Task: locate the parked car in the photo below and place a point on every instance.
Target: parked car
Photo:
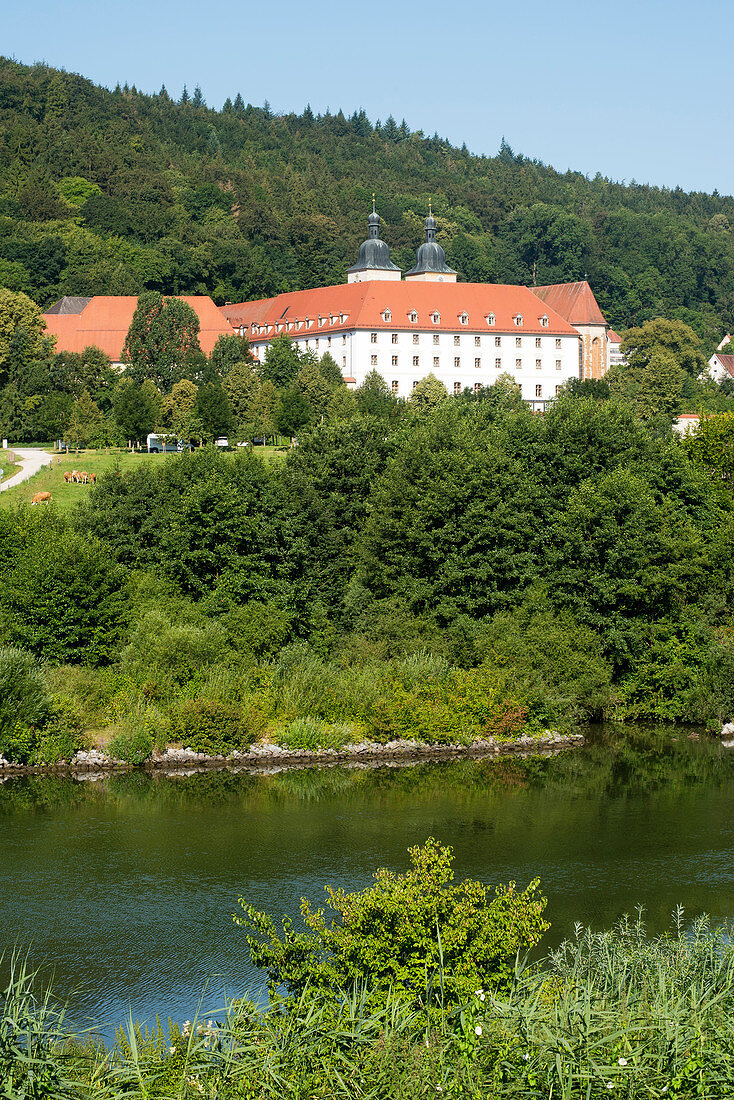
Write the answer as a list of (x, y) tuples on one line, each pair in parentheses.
[(165, 444)]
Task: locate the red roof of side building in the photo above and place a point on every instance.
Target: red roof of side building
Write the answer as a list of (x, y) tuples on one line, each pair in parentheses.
[(727, 362), (105, 320), (614, 337), (574, 301), (363, 306)]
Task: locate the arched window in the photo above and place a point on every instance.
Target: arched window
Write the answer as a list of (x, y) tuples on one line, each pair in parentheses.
[(518, 319), (436, 317), (491, 320), (413, 316), (464, 318)]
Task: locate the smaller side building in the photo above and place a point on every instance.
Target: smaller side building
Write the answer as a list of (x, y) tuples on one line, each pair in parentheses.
[(575, 302), (103, 321)]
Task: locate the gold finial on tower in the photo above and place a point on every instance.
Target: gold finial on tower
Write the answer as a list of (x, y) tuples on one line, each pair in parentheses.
[(430, 212), (373, 203)]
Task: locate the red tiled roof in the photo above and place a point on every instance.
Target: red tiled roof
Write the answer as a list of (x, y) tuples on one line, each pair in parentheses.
[(362, 305), (104, 322), (574, 301), (727, 362), (614, 337)]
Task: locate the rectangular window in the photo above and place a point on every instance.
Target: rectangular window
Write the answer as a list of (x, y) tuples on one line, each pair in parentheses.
[(316, 341), (435, 338), (344, 360), (415, 337), (477, 341), (538, 391), (457, 341), (498, 341), (394, 338), (373, 360), (477, 362), (415, 361), (457, 389), (519, 386), (477, 387), (457, 361), (394, 387), (558, 390), (415, 384), (537, 364), (558, 364), (328, 342), (373, 337), (344, 339), (435, 360), (498, 363), (537, 341), (558, 343), (518, 341), (518, 364), (395, 360)]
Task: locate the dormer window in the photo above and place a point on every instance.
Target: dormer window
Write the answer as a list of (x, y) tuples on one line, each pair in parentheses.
[(413, 317), (436, 317), (491, 320), (518, 319), (386, 315), (464, 318), (544, 321)]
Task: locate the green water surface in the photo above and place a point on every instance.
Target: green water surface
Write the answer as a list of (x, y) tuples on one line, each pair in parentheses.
[(125, 887)]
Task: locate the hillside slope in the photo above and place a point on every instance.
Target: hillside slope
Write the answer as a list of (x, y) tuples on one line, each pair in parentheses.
[(116, 192)]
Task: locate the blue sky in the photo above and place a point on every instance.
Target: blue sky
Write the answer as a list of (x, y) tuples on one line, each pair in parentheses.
[(634, 90)]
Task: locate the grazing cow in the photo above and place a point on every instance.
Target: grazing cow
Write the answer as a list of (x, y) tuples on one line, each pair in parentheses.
[(75, 475), (92, 478), (42, 498), (84, 477), (68, 476)]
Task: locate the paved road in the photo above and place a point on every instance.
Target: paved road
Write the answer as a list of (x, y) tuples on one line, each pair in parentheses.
[(30, 460)]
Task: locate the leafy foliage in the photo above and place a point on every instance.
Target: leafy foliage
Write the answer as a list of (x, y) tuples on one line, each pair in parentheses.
[(402, 933)]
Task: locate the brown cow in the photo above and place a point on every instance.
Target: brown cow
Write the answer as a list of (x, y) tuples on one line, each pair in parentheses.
[(84, 477), (68, 476), (42, 498), (92, 478)]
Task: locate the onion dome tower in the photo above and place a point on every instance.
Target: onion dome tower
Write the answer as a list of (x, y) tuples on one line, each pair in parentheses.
[(374, 260), (431, 266)]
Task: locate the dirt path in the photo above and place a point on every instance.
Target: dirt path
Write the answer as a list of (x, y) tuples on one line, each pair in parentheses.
[(30, 460)]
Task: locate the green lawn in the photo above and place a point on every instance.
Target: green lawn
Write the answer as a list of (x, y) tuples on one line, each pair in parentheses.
[(65, 496), (7, 466)]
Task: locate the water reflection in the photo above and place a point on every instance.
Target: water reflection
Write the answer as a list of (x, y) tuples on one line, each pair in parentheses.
[(126, 887)]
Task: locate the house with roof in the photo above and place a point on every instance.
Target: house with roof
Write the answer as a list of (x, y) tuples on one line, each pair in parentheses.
[(721, 366), (103, 321), (466, 334)]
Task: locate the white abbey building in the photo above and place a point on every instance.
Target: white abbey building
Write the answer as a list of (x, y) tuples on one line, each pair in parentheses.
[(466, 334)]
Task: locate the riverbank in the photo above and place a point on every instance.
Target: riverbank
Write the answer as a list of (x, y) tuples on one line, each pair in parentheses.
[(175, 758)]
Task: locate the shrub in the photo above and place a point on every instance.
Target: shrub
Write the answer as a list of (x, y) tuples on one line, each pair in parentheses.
[(210, 726), (413, 932), (19, 743), (312, 733), (133, 746), (24, 697)]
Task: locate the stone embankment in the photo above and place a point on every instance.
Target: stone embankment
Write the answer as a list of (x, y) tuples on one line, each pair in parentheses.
[(265, 753)]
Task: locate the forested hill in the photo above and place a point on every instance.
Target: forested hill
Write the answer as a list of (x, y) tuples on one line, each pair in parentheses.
[(114, 192)]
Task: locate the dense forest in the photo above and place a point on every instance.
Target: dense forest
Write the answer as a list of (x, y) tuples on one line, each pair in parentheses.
[(117, 192)]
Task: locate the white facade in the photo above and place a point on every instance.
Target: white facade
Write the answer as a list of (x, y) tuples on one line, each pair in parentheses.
[(540, 364)]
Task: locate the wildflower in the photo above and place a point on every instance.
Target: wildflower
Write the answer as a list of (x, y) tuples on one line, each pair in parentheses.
[(610, 1084), (526, 1057), (172, 1050), (621, 1061), (477, 1030)]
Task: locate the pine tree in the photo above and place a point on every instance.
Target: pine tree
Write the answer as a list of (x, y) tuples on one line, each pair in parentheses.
[(184, 96), (198, 100)]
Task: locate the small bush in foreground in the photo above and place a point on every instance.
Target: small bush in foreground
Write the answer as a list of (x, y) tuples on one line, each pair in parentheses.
[(214, 727), (409, 932), (24, 696)]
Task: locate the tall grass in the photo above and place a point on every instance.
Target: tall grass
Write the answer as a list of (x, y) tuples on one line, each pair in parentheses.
[(613, 1013)]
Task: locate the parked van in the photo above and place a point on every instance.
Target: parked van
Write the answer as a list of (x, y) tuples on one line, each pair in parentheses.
[(164, 444)]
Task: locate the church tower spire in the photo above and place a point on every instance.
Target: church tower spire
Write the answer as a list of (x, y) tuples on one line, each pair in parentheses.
[(431, 266), (374, 260)]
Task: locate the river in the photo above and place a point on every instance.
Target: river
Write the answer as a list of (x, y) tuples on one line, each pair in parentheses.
[(125, 888)]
